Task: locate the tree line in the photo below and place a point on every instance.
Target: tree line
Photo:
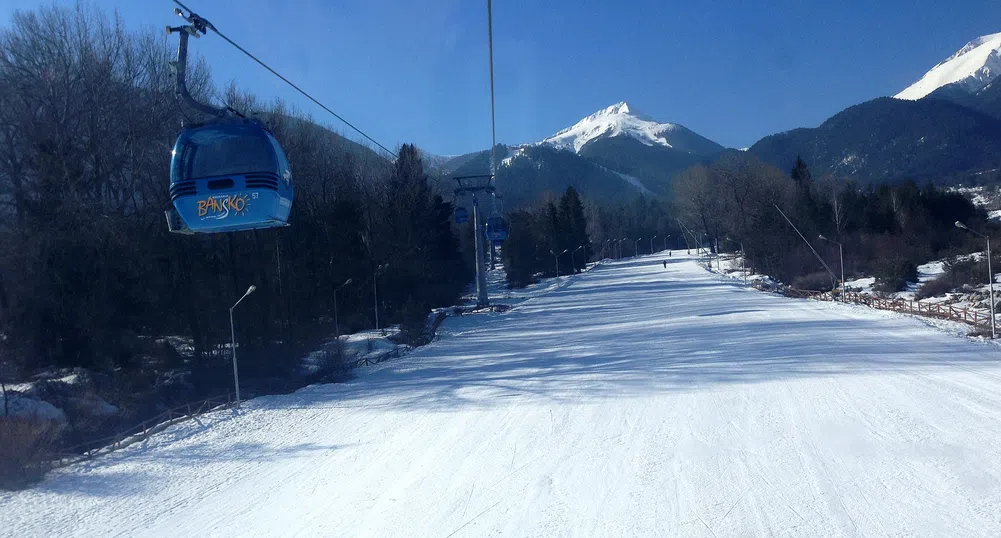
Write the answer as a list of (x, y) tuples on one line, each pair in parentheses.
[(885, 230), (90, 276), (549, 237)]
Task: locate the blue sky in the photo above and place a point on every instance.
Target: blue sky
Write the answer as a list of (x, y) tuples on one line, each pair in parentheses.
[(416, 71)]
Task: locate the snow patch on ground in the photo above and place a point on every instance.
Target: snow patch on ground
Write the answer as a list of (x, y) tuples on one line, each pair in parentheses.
[(21, 406)]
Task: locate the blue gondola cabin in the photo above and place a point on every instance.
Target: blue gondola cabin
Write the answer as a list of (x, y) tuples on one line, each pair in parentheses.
[(227, 177)]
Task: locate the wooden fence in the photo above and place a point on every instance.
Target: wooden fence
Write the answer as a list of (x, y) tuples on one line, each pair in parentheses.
[(977, 318), (141, 431)]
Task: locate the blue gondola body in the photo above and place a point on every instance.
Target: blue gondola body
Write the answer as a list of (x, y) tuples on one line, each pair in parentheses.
[(496, 229), (230, 176)]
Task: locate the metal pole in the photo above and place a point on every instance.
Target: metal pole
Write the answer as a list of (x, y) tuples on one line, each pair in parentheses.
[(573, 266), (337, 328), (743, 262), (841, 254), (232, 342), (232, 335), (180, 68), (375, 294), (481, 276), (990, 271), (991, 286)]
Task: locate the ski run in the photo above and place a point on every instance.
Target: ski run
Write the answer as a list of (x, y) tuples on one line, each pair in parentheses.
[(633, 400)]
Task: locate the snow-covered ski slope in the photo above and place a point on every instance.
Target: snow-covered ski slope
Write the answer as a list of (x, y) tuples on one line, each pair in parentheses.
[(637, 401)]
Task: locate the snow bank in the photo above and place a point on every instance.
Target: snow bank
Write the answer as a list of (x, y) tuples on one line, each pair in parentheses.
[(22, 406)]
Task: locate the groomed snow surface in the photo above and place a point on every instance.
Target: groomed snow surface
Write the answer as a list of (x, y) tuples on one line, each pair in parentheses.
[(635, 400)]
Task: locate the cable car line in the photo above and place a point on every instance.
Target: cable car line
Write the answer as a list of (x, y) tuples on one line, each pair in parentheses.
[(493, 132), (297, 88)]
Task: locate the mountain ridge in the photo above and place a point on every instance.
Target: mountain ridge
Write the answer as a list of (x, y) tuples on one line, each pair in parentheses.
[(974, 66)]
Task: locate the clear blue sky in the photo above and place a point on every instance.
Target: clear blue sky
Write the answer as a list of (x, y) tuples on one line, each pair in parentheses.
[(416, 71)]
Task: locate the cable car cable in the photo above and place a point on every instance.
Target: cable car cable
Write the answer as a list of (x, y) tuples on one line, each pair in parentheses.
[(300, 90), (493, 132)]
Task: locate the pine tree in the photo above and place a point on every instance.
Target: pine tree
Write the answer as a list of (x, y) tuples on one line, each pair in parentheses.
[(574, 227), (520, 253), (801, 172)]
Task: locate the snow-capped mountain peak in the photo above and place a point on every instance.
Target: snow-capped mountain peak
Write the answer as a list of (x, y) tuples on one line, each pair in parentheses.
[(973, 67), (620, 119)]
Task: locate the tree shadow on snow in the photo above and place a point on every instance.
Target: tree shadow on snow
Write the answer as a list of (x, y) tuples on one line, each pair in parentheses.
[(617, 337)]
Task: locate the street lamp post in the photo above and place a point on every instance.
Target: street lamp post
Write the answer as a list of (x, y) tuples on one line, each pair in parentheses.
[(636, 247), (337, 327), (990, 272), (743, 258), (375, 290), (607, 244), (573, 266), (744, 269), (232, 335), (665, 240), (651, 243), (841, 256), (702, 251), (557, 256)]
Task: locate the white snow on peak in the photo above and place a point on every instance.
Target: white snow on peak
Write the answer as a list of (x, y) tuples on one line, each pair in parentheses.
[(974, 66), (620, 119)]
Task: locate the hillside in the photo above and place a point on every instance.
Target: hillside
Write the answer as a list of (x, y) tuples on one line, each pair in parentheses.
[(886, 140), (534, 170), (654, 166), (986, 100)]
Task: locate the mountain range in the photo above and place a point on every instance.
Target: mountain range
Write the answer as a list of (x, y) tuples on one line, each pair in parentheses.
[(944, 128)]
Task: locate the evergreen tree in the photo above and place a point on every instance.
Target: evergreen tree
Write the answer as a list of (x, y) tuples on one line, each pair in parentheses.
[(800, 172), (520, 254), (574, 228)]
